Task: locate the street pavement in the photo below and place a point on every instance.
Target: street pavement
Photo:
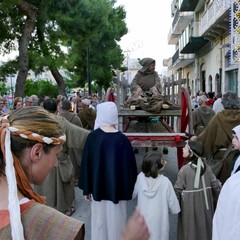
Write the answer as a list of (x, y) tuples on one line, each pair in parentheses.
[(83, 209)]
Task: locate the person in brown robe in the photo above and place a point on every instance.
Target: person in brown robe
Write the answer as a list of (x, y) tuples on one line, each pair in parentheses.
[(58, 187), (146, 82), (74, 154), (201, 116), (197, 190), (87, 115), (146, 89), (70, 116), (217, 136)]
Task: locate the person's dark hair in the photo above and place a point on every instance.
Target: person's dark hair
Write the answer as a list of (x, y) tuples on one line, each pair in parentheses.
[(152, 164), (230, 100), (40, 100), (66, 105), (50, 105), (210, 94), (16, 100)]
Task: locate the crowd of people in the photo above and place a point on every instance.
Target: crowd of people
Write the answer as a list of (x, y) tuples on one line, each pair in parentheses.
[(49, 146), (41, 151)]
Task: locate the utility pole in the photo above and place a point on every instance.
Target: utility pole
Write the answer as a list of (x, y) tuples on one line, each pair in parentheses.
[(88, 73)]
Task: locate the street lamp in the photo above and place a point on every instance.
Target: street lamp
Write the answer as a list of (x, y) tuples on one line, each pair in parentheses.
[(11, 86)]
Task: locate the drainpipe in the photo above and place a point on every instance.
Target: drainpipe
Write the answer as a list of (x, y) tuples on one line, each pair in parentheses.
[(197, 75)]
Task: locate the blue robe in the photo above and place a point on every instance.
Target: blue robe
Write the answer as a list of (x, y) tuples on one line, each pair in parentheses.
[(108, 167)]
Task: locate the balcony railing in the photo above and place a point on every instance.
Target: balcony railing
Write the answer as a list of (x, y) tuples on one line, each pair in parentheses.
[(175, 57), (175, 19), (181, 21), (182, 57), (216, 9)]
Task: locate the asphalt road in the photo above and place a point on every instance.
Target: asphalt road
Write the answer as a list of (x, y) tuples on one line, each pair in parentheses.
[(83, 210)]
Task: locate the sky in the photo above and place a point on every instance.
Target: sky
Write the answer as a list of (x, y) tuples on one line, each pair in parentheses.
[(148, 25)]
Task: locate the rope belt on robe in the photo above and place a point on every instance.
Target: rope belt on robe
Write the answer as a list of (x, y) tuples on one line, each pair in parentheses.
[(199, 166)]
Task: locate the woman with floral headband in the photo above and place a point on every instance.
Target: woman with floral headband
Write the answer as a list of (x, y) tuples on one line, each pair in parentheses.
[(30, 142), (197, 190)]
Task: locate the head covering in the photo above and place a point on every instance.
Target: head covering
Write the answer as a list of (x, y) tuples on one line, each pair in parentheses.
[(237, 131), (195, 147), (86, 101), (145, 63), (107, 114)]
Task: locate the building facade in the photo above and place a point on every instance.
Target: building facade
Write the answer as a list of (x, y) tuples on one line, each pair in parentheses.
[(203, 60)]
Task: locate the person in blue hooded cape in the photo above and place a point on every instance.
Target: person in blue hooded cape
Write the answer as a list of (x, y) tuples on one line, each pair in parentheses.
[(108, 174)]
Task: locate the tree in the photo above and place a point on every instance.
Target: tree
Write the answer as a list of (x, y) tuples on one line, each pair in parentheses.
[(105, 53), (40, 88), (43, 27), (30, 11)]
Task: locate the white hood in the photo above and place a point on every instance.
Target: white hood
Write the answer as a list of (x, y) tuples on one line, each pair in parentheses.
[(150, 185), (237, 131), (107, 114)]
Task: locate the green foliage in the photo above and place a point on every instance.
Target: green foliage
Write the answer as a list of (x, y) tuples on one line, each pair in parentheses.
[(8, 68), (40, 88), (4, 90), (72, 25)]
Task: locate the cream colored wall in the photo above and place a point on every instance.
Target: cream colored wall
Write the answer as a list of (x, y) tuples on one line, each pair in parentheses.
[(188, 69)]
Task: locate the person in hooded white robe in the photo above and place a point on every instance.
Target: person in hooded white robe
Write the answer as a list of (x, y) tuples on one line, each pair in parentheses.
[(108, 174), (226, 220), (156, 196), (236, 145)]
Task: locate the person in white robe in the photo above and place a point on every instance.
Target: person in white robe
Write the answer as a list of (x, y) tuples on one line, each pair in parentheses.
[(156, 196), (226, 220), (236, 145)]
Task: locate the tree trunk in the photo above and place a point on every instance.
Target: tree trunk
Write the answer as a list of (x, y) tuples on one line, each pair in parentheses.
[(60, 82), (30, 11)]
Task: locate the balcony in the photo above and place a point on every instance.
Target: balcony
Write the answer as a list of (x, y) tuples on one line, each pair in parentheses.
[(194, 44), (180, 21), (189, 44), (181, 60), (173, 38), (188, 5), (215, 21)]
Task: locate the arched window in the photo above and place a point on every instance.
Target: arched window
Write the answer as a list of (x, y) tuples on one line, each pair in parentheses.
[(210, 83), (217, 84)]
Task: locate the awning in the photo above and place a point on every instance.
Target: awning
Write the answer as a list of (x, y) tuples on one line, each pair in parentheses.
[(194, 45), (188, 5)]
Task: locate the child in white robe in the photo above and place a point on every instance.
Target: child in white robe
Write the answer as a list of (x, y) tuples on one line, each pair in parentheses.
[(236, 145), (156, 196)]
